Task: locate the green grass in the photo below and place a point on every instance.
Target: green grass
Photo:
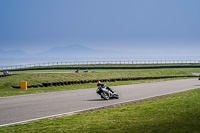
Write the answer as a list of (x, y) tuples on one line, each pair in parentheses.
[(13, 92), (176, 113), (34, 78), (37, 71)]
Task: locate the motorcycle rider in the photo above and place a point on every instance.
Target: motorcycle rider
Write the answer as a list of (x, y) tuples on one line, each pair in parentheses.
[(103, 86)]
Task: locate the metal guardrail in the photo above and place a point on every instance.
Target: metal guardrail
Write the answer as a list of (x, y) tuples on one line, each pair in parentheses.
[(99, 62), (3, 75)]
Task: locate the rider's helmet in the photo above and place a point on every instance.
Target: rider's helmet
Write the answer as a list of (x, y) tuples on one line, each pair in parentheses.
[(98, 83), (103, 85)]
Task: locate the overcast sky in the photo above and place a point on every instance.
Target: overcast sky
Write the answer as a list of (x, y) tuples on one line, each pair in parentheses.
[(154, 25)]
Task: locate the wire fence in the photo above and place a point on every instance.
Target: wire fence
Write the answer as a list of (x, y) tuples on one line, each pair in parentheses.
[(99, 62)]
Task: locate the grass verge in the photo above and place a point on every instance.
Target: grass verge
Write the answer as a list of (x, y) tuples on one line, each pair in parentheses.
[(39, 78), (13, 92), (176, 113)]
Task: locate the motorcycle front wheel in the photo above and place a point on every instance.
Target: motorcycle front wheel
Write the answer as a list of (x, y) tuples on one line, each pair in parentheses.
[(116, 96), (105, 96)]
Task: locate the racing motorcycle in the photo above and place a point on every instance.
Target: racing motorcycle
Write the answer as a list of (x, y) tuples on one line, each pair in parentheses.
[(106, 93)]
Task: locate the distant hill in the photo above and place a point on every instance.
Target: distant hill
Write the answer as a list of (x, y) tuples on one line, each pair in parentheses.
[(12, 53), (75, 50)]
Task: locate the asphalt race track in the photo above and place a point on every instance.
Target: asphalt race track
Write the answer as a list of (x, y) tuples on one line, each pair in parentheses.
[(20, 109)]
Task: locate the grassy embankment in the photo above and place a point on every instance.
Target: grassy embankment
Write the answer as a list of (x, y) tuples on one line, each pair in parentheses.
[(35, 78), (177, 113)]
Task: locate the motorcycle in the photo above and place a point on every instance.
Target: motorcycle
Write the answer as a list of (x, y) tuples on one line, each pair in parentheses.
[(106, 94)]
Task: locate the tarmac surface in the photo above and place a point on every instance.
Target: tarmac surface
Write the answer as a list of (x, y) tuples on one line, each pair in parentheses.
[(25, 108)]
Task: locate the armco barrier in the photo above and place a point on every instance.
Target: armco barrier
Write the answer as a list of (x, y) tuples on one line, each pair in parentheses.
[(69, 63), (102, 80), (2, 75), (92, 68)]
